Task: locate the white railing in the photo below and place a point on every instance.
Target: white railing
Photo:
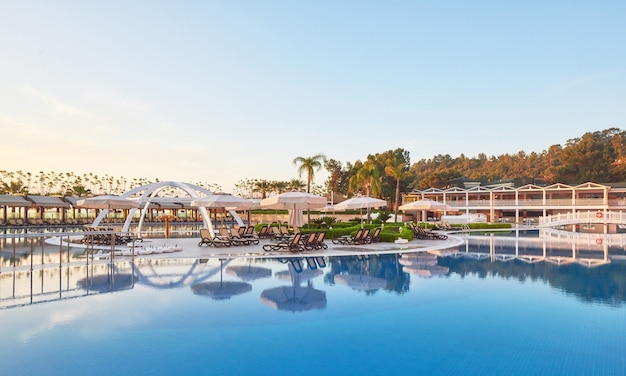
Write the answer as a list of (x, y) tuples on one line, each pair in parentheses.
[(589, 216), (496, 203)]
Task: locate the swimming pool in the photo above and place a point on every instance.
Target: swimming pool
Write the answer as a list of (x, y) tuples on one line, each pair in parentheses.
[(467, 312)]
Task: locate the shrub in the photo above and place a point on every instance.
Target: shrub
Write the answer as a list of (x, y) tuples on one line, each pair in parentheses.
[(329, 221)]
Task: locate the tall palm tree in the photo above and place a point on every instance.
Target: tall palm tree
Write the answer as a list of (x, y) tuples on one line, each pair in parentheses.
[(398, 171), (366, 178), (309, 166), (262, 187), (296, 185)]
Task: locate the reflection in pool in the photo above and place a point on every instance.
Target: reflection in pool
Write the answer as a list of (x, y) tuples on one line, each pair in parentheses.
[(500, 304)]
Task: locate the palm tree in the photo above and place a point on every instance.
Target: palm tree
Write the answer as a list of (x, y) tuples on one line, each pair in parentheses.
[(262, 187), (366, 178), (296, 185), (398, 171), (309, 166)]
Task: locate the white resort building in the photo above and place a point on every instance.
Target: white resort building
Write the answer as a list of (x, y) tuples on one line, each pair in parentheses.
[(550, 206)]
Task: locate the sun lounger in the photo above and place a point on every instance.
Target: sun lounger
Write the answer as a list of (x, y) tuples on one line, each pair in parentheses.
[(361, 237), (233, 238), (208, 239), (375, 237), (309, 243), (250, 235), (264, 232), (319, 241), (292, 244), (348, 238)]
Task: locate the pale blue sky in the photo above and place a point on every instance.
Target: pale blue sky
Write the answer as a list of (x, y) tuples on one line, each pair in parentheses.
[(219, 91)]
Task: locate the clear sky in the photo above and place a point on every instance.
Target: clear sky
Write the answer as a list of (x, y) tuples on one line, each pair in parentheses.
[(220, 91)]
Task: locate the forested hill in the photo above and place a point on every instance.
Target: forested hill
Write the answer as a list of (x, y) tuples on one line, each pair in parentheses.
[(597, 157)]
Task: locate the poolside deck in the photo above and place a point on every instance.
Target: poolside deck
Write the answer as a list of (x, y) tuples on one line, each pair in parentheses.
[(189, 248)]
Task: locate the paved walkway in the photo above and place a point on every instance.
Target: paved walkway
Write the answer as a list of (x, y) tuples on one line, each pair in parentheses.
[(190, 249)]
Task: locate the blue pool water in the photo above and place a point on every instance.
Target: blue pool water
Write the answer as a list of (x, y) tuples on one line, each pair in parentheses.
[(391, 314)]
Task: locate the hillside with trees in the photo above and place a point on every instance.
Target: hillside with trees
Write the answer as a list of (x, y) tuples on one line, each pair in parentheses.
[(595, 156)]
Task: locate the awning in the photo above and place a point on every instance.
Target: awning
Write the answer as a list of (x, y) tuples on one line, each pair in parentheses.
[(48, 201), (15, 201)]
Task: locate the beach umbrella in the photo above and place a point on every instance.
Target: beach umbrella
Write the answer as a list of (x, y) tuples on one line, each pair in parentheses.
[(107, 202), (361, 202), (427, 205), (293, 201), (294, 298), (296, 219), (223, 201)]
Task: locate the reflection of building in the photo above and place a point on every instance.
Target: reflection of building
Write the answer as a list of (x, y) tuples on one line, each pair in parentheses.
[(20, 286), (557, 247), (528, 203)]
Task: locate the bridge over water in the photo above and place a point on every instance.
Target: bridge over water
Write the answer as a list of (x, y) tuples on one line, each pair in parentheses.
[(583, 217)]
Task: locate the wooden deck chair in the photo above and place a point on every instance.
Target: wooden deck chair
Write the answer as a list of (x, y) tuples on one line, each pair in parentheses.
[(309, 243), (319, 240), (348, 239), (232, 237), (363, 239), (375, 237), (292, 244), (208, 239), (263, 232)]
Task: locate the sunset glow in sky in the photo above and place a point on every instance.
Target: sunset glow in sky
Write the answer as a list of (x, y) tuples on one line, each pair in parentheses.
[(220, 91)]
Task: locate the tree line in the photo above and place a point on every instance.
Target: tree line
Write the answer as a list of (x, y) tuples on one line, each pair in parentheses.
[(595, 156)]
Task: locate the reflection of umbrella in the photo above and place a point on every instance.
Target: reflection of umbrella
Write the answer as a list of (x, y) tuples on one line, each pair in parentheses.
[(304, 275), (294, 200), (361, 282), (294, 298), (221, 290), (422, 258), (426, 271), (363, 202), (222, 201), (107, 202), (106, 283), (249, 273)]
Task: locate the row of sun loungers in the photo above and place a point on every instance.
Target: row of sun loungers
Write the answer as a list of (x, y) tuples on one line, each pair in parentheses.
[(95, 236), (298, 243), (421, 233), (226, 238), (362, 236)]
